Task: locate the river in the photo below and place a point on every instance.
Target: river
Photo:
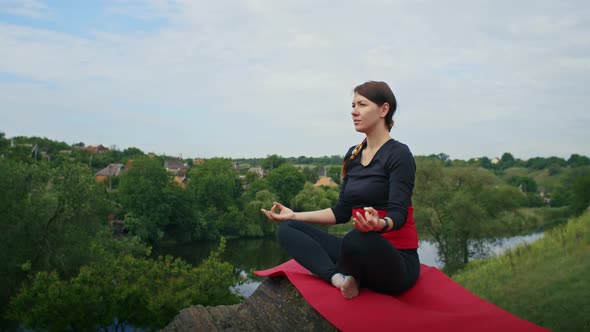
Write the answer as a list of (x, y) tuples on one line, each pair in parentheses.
[(248, 255)]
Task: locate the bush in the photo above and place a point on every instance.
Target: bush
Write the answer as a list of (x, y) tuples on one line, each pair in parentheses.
[(139, 291)]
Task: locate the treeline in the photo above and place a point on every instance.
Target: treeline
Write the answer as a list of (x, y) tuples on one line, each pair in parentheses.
[(301, 160), (57, 234), (59, 151), (507, 160)]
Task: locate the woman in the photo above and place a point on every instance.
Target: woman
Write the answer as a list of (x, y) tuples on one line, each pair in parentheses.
[(378, 179)]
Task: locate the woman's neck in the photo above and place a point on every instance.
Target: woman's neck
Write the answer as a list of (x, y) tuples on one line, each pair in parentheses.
[(377, 138)]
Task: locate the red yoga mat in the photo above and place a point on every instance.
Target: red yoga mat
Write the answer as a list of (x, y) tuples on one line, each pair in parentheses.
[(435, 303)]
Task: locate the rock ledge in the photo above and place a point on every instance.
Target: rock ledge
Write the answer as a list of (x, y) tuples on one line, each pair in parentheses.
[(276, 305)]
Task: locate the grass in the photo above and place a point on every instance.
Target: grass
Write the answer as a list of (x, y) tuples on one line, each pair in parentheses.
[(544, 178), (546, 282), (534, 219)]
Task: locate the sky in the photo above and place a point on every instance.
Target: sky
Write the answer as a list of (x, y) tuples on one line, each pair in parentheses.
[(251, 78)]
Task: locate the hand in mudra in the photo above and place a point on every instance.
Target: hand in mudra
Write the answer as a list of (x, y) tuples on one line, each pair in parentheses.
[(367, 222), (283, 212)]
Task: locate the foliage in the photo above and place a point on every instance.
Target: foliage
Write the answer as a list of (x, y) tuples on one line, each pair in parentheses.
[(445, 158), (545, 282), (301, 160), (457, 207), (43, 144), (581, 194), (255, 223), (566, 194), (273, 161), (575, 160), (143, 191), (55, 212), (311, 174), (4, 144), (286, 181), (312, 198), (253, 188), (214, 192), (525, 183), (215, 184), (334, 173), (142, 292)]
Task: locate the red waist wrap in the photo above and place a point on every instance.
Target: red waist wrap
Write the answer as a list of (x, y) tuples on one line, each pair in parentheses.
[(403, 238)]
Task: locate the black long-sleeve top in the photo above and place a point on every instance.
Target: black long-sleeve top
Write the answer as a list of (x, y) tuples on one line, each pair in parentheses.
[(386, 183)]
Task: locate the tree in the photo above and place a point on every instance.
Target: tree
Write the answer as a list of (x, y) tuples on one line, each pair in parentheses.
[(55, 212), (143, 194), (507, 160), (215, 189), (457, 207), (273, 161), (311, 198), (286, 181), (133, 152), (139, 291), (215, 184), (257, 184), (581, 194), (334, 173), (445, 158), (486, 163), (311, 174), (565, 195), (524, 183), (576, 160), (255, 223), (4, 144)]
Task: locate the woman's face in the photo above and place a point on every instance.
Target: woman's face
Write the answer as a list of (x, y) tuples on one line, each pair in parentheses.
[(366, 115)]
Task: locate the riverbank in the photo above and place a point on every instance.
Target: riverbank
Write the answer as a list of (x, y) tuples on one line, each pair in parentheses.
[(427, 251), (545, 282)]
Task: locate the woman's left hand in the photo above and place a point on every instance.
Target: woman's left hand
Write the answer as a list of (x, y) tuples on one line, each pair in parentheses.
[(367, 222)]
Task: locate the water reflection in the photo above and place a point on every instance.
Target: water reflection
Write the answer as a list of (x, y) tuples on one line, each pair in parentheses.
[(428, 251), (249, 255)]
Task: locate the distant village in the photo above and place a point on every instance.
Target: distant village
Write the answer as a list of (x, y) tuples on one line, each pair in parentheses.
[(179, 169)]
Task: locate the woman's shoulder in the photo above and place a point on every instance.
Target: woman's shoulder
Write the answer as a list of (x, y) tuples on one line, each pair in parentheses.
[(396, 152), (397, 147)]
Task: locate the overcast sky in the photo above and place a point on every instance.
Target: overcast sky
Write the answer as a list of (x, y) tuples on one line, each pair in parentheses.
[(251, 78)]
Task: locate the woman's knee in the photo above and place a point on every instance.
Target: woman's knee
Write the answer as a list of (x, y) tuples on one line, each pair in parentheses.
[(356, 241), (285, 228)]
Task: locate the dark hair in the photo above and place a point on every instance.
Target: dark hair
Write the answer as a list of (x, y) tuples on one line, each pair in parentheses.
[(379, 93)]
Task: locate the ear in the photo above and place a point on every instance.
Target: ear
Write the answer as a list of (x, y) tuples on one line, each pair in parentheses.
[(384, 110)]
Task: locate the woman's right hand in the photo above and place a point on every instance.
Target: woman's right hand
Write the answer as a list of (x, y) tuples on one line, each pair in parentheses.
[(283, 214)]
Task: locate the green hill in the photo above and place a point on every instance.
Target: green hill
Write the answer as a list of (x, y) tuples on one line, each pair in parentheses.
[(546, 282)]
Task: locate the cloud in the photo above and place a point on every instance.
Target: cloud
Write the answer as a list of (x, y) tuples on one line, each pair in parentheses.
[(25, 8), (281, 73)]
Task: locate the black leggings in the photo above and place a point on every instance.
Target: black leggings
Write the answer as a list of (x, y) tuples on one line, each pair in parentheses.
[(369, 257)]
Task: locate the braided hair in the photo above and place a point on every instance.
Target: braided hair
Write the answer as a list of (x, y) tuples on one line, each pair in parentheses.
[(353, 155)]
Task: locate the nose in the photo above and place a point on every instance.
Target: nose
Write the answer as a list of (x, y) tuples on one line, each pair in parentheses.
[(354, 111)]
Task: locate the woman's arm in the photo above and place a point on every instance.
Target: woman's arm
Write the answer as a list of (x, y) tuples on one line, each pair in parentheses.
[(321, 217), (402, 173)]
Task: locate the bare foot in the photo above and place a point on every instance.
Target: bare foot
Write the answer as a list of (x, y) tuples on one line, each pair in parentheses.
[(350, 288), (338, 280)]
